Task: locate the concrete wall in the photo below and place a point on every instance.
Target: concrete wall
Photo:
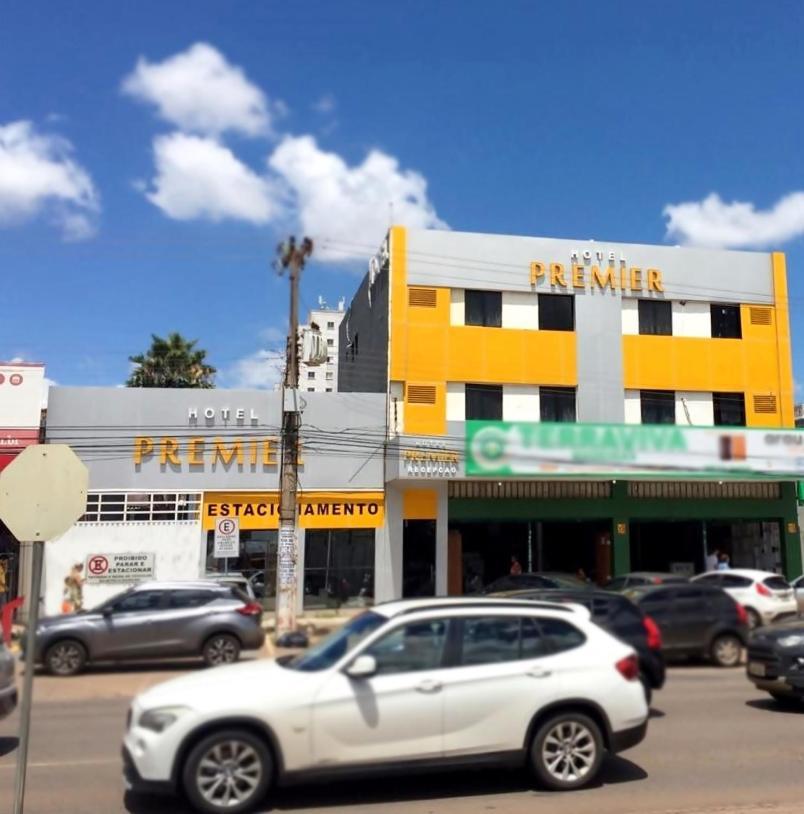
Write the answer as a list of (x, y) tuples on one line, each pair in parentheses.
[(366, 319), (178, 548)]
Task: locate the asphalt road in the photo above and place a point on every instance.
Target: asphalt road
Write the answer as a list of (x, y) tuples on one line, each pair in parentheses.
[(715, 745)]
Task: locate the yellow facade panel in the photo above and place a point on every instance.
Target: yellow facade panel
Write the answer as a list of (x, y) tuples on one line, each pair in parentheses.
[(419, 504)]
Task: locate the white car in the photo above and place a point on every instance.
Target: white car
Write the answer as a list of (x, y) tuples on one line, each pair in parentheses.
[(766, 597), (407, 683)]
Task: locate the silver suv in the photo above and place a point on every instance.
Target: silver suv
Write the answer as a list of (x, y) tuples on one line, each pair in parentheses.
[(154, 620)]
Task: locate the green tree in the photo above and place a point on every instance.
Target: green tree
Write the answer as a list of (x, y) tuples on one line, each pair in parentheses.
[(171, 362)]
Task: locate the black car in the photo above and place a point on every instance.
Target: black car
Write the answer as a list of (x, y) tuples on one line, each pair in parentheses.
[(623, 619), (536, 579), (637, 579), (696, 621), (776, 660)]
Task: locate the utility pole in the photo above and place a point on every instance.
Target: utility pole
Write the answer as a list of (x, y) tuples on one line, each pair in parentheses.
[(290, 258)]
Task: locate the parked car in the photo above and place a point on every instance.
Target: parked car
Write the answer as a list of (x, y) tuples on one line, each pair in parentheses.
[(696, 620), (464, 680), (766, 597), (236, 580), (776, 660), (8, 682), (154, 620), (622, 618), (638, 578), (798, 588), (537, 579)]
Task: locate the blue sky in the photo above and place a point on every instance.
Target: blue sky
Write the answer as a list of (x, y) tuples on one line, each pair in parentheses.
[(151, 154)]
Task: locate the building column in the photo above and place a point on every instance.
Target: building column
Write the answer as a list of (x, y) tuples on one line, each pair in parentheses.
[(442, 539), (388, 549), (621, 530), (791, 532)]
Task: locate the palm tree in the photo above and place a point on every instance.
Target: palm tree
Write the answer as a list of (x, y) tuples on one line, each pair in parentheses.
[(171, 362)]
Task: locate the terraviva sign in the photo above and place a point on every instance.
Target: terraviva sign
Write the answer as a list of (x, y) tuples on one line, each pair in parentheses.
[(495, 448)]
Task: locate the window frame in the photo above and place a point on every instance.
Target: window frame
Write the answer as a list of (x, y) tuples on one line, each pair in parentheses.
[(734, 310), (656, 323), (554, 299), (718, 400), (668, 397), (483, 305), (479, 389), (558, 393)]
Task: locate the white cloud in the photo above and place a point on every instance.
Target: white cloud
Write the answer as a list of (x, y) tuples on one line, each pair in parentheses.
[(39, 175), (199, 91), (326, 104), (263, 369), (348, 209), (713, 223), (199, 178), (274, 335)]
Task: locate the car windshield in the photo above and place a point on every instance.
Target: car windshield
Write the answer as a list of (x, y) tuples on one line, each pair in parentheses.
[(110, 603), (338, 644), (777, 583)]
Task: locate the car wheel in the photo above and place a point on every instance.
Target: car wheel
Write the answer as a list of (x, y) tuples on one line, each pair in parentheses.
[(567, 751), (754, 619), (228, 771), (65, 658), (727, 650), (221, 648)]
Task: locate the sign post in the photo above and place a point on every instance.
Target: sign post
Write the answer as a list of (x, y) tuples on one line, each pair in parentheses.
[(227, 540), (42, 493)]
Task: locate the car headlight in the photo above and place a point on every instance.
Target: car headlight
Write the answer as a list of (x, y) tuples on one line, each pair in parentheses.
[(159, 719), (794, 640)]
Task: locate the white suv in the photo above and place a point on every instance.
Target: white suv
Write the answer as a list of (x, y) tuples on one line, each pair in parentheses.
[(408, 683), (766, 597)]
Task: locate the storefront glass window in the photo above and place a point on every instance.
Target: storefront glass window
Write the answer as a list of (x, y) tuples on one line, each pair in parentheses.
[(250, 562), (338, 568)]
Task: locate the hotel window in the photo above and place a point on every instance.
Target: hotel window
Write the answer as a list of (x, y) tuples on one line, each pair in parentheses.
[(655, 317), (330, 326), (729, 409), (484, 402), (483, 308), (557, 404), (338, 568), (726, 322), (556, 312), (658, 406)]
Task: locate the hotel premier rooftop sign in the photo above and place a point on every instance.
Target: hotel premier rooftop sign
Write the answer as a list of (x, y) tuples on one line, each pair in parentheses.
[(596, 269)]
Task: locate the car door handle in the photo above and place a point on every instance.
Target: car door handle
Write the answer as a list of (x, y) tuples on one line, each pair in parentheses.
[(539, 672), (429, 686)]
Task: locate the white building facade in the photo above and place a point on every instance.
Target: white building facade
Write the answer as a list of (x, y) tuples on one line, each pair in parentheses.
[(323, 378)]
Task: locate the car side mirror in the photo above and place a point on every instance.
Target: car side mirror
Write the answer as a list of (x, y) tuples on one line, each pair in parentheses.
[(362, 667)]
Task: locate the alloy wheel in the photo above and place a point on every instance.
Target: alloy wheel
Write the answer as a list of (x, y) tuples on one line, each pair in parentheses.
[(727, 651), (65, 659), (569, 751), (229, 774), (221, 650)]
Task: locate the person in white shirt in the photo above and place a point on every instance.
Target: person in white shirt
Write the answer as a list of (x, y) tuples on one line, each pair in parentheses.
[(713, 560)]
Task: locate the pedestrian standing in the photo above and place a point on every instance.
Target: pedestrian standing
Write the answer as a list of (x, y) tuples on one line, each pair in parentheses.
[(724, 564), (713, 560), (75, 585), (516, 568)]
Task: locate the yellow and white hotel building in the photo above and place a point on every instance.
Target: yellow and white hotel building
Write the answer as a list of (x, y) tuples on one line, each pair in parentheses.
[(455, 326)]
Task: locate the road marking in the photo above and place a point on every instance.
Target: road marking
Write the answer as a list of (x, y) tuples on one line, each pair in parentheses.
[(55, 764)]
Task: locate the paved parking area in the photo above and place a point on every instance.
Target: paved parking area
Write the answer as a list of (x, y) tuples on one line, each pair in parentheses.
[(715, 746)]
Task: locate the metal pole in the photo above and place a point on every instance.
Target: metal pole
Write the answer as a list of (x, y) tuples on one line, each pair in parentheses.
[(27, 691), (292, 259)]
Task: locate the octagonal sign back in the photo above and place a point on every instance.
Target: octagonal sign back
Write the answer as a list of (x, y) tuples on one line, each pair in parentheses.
[(43, 491)]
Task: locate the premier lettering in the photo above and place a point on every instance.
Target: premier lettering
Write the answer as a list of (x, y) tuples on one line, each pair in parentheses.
[(581, 275), (253, 454)]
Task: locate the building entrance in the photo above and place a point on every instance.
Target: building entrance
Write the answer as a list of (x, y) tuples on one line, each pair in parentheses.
[(487, 548)]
